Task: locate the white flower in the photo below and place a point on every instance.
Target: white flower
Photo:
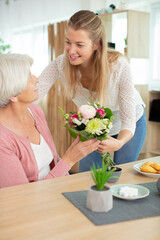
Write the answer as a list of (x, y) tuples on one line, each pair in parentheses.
[(105, 121), (84, 121), (95, 105), (76, 121), (110, 125)]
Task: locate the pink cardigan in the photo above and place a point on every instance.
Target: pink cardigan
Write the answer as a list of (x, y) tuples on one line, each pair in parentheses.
[(17, 161)]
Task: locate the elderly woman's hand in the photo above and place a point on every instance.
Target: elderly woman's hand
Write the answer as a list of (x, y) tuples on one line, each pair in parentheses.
[(79, 150)]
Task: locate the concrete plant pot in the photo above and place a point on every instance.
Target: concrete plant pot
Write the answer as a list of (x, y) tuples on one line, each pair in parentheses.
[(99, 201)]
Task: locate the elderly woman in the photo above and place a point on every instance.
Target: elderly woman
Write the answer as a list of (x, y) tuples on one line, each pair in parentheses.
[(27, 151)]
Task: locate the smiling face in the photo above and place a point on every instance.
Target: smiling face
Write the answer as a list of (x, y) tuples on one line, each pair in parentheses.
[(79, 47), (30, 94)]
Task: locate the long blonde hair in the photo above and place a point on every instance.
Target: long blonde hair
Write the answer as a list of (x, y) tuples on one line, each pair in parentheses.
[(101, 67)]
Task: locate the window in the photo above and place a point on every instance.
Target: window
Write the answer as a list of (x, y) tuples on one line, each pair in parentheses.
[(32, 41)]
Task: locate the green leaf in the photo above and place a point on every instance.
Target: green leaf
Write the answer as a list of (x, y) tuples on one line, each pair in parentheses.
[(98, 115), (102, 137), (63, 113), (82, 139), (83, 135), (107, 159), (101, 176), (108, 112), (72, 132)]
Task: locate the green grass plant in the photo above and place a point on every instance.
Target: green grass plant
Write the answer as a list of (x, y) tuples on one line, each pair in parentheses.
[(101, 175)]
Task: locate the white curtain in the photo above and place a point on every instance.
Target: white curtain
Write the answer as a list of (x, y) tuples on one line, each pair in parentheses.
[(154, 83), (32, 41)]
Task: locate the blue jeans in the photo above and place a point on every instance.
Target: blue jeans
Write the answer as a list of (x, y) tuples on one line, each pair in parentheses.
[(128, 153)]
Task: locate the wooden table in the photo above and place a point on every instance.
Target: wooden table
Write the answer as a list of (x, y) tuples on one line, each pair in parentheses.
[(38, 210)]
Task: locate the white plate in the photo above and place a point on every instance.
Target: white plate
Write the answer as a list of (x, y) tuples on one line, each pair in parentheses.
[(142, 191), (137, 168)]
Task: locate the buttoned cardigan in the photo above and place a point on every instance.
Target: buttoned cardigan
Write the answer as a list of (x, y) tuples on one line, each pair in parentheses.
[(17, 161)]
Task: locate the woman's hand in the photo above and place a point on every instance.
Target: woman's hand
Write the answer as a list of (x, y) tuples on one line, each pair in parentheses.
[(113, 144), (109, 145), (79, 150)]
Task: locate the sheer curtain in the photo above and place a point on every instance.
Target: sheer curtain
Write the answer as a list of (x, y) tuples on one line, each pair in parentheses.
[(154, 83), (32, 41), (23, 27)]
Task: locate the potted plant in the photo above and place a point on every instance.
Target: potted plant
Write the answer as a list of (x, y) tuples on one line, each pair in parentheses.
[(99, 196), (111, 165), (4, 48)]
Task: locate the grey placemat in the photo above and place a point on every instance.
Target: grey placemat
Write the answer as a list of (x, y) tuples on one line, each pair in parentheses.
[(122, 210)]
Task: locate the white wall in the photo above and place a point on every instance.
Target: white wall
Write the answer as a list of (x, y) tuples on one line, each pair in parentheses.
[(21, 13), (23, 24)]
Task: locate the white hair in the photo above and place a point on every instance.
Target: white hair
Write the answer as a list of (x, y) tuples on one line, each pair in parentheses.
[(14, 73)]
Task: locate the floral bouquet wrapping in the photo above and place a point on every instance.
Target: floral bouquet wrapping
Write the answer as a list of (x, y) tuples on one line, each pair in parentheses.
[(90, 121)]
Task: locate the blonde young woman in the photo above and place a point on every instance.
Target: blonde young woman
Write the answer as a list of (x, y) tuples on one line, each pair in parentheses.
[(27, 150), (88, 69)]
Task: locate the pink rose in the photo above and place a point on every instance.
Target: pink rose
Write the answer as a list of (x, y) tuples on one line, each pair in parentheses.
[(101, 112), (73, 116), (87, 111)]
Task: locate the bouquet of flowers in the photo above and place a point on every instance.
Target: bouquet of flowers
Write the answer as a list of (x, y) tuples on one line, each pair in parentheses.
[(90, 121)]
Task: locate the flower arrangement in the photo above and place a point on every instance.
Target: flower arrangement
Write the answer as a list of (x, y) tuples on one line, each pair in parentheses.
[(90, 121)]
